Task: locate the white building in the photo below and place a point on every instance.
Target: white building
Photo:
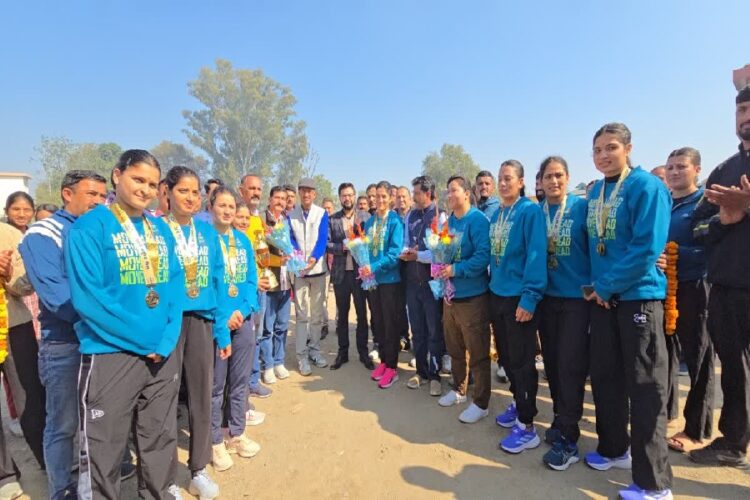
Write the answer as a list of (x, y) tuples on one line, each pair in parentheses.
[(10, 182)]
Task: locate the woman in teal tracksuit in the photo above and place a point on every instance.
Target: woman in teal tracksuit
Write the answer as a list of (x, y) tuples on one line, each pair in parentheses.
[(386, 232), (563, 312), (197, 248), (237, 300), (127, 286), (518, 278), (628, 221)]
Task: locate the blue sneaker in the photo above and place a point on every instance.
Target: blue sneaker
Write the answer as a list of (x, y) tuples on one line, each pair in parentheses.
[(562, 455), (634, 492), (508, 418), (522, 437), (598, 462)]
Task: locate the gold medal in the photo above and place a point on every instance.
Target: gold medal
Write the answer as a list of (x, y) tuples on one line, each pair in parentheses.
[(193, 291), (601, 248), (551, 246), (152, 298), (233, 290), (552, 262)]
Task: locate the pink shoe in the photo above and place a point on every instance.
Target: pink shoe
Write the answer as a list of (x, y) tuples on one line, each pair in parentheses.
[(378, 372), (389, 378)]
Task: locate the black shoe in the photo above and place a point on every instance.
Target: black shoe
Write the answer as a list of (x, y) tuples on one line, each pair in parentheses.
[(715, 454), (127, 470), (324, 332), (340, 360), (368, 363)]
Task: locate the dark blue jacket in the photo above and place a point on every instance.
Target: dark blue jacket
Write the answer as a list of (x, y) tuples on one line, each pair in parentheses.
[(42, 251), (691, 259), (489, 206)]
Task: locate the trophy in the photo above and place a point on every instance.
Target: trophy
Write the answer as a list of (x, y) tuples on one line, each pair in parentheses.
[(263, 257)]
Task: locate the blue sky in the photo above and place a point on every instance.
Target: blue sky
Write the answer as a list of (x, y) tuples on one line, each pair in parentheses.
[(381, 84)]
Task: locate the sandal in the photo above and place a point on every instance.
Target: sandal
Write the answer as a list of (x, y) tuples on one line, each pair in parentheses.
[(683, 443)]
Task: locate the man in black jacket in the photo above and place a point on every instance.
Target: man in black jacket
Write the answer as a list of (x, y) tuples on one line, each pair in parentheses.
[(721, 221), (344, 277)]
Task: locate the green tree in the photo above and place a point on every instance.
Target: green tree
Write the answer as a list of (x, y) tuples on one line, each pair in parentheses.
[(58, 155), (52, 155), (171, 154), (247, 123), (451, 160)]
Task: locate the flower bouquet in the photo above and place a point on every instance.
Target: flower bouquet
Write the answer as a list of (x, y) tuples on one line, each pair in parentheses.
[(444, 246), (278, 236), (358, 245)]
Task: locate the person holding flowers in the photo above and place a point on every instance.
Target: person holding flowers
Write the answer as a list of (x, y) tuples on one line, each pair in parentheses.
[(563, 313), (237, 300), (272, 343), (309, 231), (423, 308), (466, 318), (683, 168), (628, 222), (345, 277), (127, 286), (386, 233), (518, 279)]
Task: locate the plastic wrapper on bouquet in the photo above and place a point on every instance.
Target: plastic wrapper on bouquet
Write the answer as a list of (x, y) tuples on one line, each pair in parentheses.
[(444, 246), (280, 237), (358, 245)]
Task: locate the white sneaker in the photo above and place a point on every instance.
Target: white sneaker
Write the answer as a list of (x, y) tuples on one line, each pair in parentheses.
[(413, 362), (446, 364), (472, 414), (15, 428), (451, 398), (268, 376), (174, 490), (243, 446), (281, 372), (203, 487), (374, 354), (220, 457), (304, 367), (11, 490), (254, 417), (501, 375)]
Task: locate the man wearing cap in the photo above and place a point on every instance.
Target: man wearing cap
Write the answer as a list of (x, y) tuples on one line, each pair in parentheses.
[(722, 223), (309, 225)]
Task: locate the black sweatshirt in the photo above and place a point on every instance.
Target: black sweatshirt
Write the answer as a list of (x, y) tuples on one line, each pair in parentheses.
[(727, 246)]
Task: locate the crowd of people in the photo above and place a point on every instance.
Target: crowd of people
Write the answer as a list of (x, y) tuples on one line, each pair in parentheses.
[(139, 308)]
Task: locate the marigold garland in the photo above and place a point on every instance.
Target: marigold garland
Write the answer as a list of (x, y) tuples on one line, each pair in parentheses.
[(3, 326), (670, 305)]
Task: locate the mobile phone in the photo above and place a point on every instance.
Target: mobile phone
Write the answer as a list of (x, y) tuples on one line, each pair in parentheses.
[(587, 290)]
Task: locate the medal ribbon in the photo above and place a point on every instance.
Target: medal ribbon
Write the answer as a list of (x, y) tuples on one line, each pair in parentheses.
[(553, 227), (230, 257), (603, 208), (187, 249), (148, 251), (500, 226), (378, 233)]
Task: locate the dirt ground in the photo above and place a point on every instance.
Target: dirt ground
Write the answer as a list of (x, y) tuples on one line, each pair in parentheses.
[(336, 435)]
